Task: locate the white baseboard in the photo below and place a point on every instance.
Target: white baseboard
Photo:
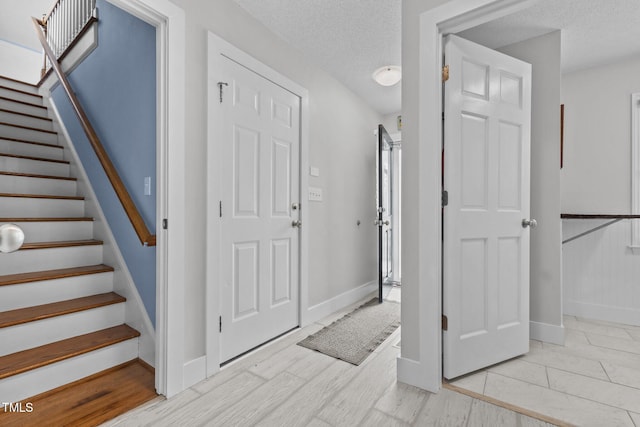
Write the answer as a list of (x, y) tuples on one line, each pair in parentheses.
[(627, 316), (546, 333), (194, 371), (413, 373), (330, 306)]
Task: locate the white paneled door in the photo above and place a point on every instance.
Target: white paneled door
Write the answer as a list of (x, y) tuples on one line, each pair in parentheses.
[(486, 233), (260, 179)]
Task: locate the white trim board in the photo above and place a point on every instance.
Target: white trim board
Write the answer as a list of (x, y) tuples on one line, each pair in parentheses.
[(330, 306), (545, 332), (170, 24), (452, 16), (217, 48), (635, 171), (623, 315)]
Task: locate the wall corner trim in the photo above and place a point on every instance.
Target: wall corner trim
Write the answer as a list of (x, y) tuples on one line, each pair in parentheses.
[(546, 332)]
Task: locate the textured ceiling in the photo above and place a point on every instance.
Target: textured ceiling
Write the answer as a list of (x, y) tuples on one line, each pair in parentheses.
[(350, 39), (594, 32), (15, 21)]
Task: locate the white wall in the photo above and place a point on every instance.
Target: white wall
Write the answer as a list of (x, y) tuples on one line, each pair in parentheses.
[(20, 63), (342, 255), (390, 122), (597, 138), (601, 272), (546, 240)]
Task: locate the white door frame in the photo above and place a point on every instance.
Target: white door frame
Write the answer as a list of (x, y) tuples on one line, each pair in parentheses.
[(169, 21), (450, 17), (216, 48)]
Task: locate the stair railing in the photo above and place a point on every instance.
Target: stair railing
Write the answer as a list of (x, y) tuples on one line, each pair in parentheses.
[(613, 218), (64, 23), (145, 236)]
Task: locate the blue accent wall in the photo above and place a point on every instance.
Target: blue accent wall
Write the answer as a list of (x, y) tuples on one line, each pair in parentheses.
[(116, 85)]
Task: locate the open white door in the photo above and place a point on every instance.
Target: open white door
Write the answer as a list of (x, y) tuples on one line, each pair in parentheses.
[(487, 116), (259, 210)]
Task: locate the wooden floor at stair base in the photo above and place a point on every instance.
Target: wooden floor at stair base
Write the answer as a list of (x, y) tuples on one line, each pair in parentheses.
[(89, 401)]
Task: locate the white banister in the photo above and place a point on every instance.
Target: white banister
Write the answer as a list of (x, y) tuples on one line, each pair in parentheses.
[(64, 23)]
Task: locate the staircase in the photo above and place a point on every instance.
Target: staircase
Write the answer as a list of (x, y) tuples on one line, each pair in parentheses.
[(60, 320)]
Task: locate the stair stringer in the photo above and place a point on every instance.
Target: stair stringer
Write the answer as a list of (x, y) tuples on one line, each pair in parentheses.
[(135, 313)]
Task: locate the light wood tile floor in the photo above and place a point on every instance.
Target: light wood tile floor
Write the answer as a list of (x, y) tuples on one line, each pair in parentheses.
[(593, 380), (283, 384)]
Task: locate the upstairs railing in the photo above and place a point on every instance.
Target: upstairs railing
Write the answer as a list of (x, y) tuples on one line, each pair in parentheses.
[(612, 219), (145, 236), (64, 23)]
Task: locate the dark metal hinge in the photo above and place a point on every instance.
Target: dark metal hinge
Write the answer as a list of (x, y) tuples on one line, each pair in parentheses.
[(445, 73), (445, 198), (220, 84), (445, 323), (165, 223), (220, 208), (220, 323)]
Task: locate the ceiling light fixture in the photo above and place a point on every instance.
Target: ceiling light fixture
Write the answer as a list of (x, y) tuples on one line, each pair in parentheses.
[(387, 75)]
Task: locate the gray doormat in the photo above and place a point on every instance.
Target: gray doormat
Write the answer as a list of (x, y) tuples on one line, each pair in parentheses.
[(353, 337)]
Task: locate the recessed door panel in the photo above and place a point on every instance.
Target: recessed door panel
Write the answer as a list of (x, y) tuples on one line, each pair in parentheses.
[(246, 171), (475, 79), (510, 166), (473, 287), (509, 286), (245, 279), (280, 271), (474, 161), (281, 178)]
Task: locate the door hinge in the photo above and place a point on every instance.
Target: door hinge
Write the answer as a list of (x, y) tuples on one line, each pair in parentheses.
[(220, 208), (445, 198), (445, 323), (220, 84), (220, 323), (445, 73), (165, 223)]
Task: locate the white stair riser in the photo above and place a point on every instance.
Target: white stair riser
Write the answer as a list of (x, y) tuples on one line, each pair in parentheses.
[(28, 134), (34, 334), (47, 291), (19, 96), (25, 207), (31, 383), (22, 120), (18, 85), (24, 261), (20, 107), (33, 150), (39, 167), (56, 231), (28, 185)]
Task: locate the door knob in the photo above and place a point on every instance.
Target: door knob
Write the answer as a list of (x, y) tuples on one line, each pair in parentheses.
[(296, 224), (529, 223)]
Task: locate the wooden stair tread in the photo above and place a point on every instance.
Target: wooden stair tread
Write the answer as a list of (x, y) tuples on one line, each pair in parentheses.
[(47, 219), (60, 244), (89, 401), (36, 276), (46, 311), (41, 196), (26, 141), (40, 159), (28, 128), (31, 175), (26, 115), (18, 81), (34, 358), (20, 91), (22, 102)]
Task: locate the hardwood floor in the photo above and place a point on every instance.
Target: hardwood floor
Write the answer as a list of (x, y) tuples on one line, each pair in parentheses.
[(87, 402), (283, 384)]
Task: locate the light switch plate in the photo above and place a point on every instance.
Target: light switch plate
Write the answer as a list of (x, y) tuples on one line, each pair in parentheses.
[(315, 194), (314, 171)]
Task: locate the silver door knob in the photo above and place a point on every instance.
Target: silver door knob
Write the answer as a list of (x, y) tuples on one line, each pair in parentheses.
[(11, 238), (529, 223), (296, 224)]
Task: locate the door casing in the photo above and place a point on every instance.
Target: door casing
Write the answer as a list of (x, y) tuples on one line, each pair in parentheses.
[(423, 366), (218, 48)]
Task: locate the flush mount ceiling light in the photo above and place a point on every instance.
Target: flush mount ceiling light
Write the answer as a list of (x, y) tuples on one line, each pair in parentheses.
[(387, 75)]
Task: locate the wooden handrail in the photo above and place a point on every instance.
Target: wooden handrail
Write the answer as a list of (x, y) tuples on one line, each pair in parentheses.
[(145, 236), (598, 216)]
